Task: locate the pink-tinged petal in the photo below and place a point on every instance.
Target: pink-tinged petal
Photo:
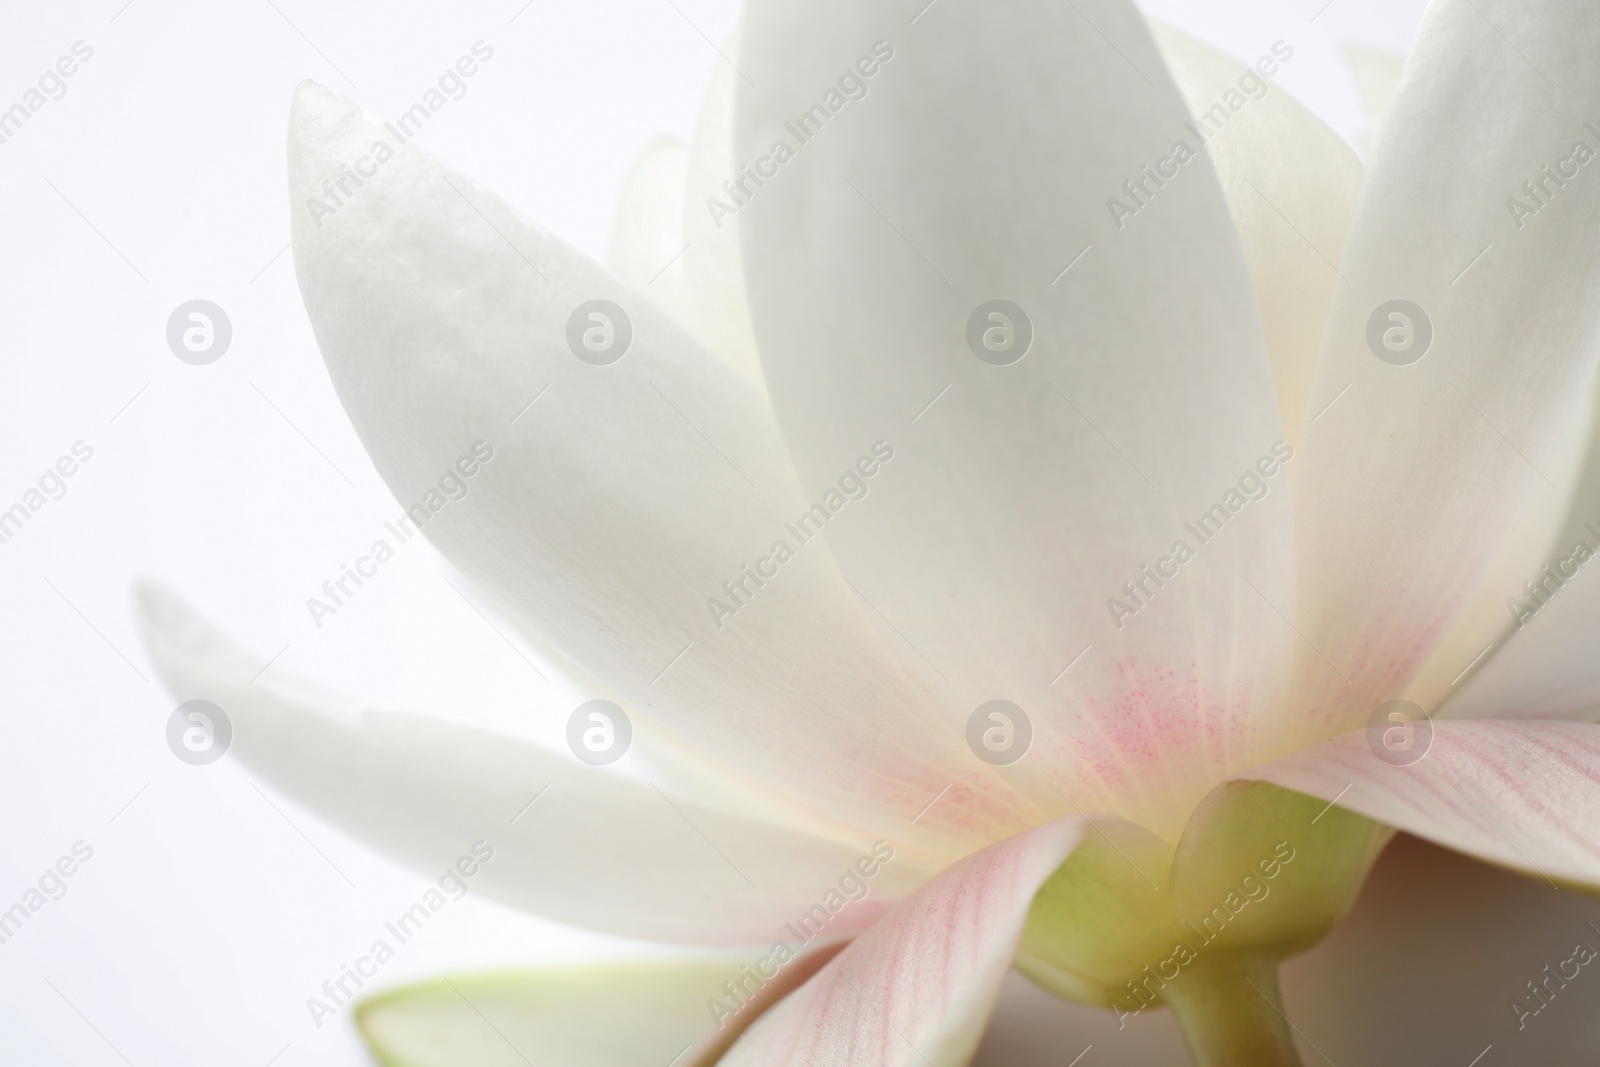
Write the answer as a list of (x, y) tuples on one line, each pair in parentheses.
[(1458, 349), (918, 987), (1024, 501), (1521, 794)]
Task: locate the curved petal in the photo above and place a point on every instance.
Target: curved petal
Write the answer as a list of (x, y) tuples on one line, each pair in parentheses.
[(574, 843), (646, 245), (717, 310), (1377, 73), (1547, 667), (634, 517), (918, 987), (1415, 475), (1542, 534), (600, 1015), (1525, 795), (1291, 184), (994, 550)]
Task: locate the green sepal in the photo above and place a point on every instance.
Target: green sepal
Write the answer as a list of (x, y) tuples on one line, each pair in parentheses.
[(1260, 872), (1281, 868)]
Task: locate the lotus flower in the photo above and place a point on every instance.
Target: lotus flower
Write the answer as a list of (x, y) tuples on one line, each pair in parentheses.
[(1006, 481)]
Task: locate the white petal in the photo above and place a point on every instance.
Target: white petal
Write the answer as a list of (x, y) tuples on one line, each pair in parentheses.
[(1291, 184), (1543, 533), (918, 987), (1524, 795), (717, 310), (1377, 74), (1412, 480), (621, 505), (574, 843), (1547, 667), (1022, 497), (647, 234)]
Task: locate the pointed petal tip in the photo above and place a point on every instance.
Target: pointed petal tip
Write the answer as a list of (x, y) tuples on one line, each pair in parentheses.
[(327, 134), (314, 103), (163, 615), (189, 652)]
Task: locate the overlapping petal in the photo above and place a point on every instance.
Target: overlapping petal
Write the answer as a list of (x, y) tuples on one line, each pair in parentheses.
[(976, 155), (1443, 420), (717, 309), (1543, 534), (1377, 74), (578, 844), (1547, 667), (1524, 795), (647, 230), (918, 987), (1291, 184), (633, 515)]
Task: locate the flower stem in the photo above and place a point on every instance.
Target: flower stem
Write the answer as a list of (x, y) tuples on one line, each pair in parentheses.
[(1227, 1005)]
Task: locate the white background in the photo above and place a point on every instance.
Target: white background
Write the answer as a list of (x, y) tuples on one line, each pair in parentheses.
[(205, 918)]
